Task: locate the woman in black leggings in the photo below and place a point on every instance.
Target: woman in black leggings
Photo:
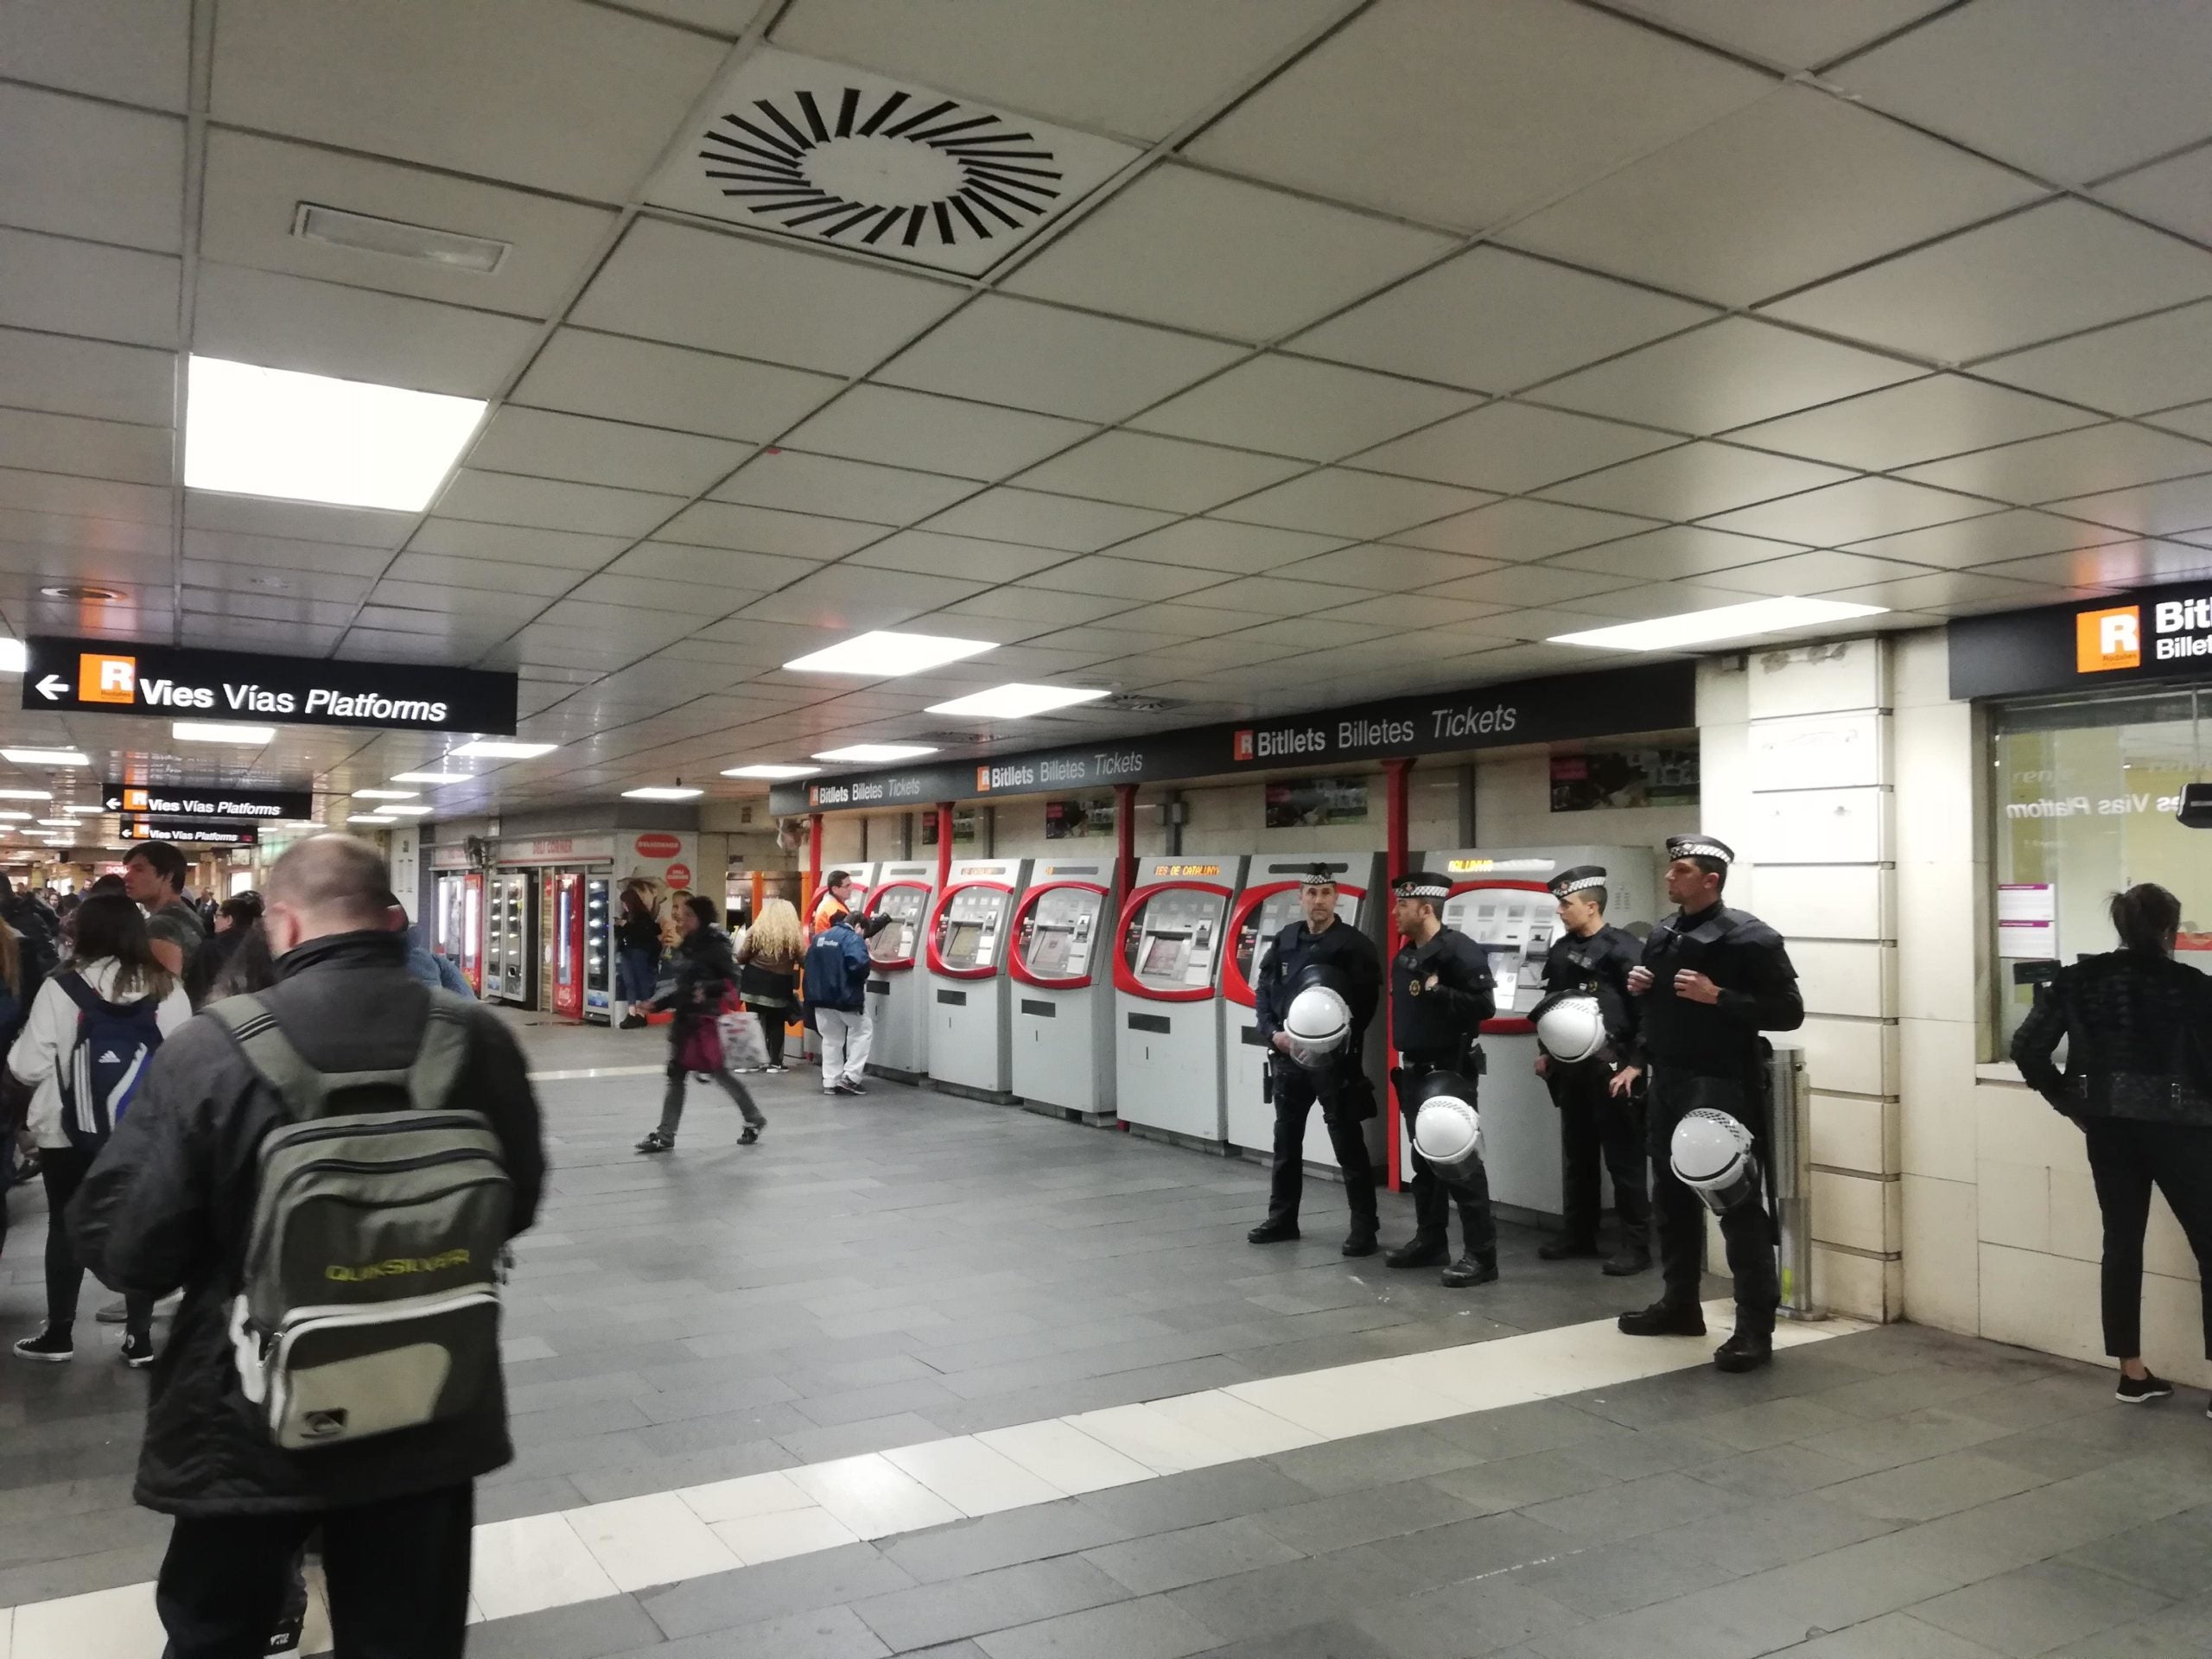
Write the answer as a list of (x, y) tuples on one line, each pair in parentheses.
[(2137, 1026)]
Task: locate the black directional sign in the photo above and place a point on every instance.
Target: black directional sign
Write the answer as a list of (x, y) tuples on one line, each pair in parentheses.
[(100, 676), (191, 830), (208, 801)]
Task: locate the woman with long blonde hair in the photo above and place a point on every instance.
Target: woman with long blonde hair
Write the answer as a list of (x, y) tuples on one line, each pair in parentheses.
[(767, 971)]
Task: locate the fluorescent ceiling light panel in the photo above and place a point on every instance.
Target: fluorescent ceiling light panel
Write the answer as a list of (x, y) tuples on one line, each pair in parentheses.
[(385, 794), (84, 811), (886, 656), (26, 794), (1725, 622), (662, 792), (221, 731), (766, 769), (873, 752), (307, 437), (371, 818), (59, 823), (15, 818), (429, 777), (1016, 702), (15, 657), (366, 233), (408, 811), (42, 758), (500, 748)]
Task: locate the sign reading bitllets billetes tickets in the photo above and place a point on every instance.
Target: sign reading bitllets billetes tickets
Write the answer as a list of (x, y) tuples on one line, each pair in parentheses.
[(96, 676)]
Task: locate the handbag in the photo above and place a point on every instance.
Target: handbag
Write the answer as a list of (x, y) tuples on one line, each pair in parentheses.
[(700, 1049), (745, 1046)]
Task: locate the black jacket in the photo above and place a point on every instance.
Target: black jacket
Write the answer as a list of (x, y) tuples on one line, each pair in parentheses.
[(706, 968), (1342, 947), (1598, 963), (1758, 992), (1444, 1019), (168, 1203), (2136, 1027)]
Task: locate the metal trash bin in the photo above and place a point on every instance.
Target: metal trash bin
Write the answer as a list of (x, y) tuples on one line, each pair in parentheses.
[(1789, 1094)]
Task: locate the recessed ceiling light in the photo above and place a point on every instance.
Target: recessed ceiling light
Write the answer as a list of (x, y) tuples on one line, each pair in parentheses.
[(886, 656), (385, 794), (876, 751), (59, 823), (221, 731), (42, 758), (26, 794), (767, 770), (15, 657), (86, 812), (369, 817), (78, 590), (308, 437), (662, 792), (478, 255), (1015, 702), (1723, 622), (15, 818), (429, 777), (408, 811), (491, 748)]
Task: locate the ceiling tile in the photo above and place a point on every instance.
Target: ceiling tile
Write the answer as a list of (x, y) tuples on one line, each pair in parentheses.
[(1027, 355), (1788, 34), (1980, 541), (1022, 609), (1294, 406), (547, 445), (2069, 91), (935, 434), (1497, 320), (64, 287), (1130, 579), (791, 480), (1656, 599), (2179, 505), (2051, 270), (1853, 511), (568, 550), (628, 625), (2175, 193), (565, 96), (1797, 187), (1276, 594), (1946, 590), (1105, 642), (1193, 251), (1141, 67), (1215, 544), (1153, 472), (1379, 565), (94, 378), (304, 521), (1315, 632), (136, 51), (1813, 573), (1409, 110), (2070, 463), (1693, 481), (477, 604), (220, 576), (2150, 363), (64, 443), (98, 171), (1515, 532), (2196, 420), (1734, 371), (814, 311), (1528, 584), (639, 380), (542, 582), (57, 533), (764, 530), (2116, 564), (848, 597), (547, 504), (1041, 520), (959, 555), (1395, 611), (1336, 500), (714, 570), (1511, 447), (1920, 420)]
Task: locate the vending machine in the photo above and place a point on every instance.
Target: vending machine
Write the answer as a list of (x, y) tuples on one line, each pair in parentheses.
[(460, 924), (899, 1045), (1268, 904), (1063, 1022), (562, 906), (1500, 899), (1168, 1026), (510, 937), (970, 1006), (598, 949)]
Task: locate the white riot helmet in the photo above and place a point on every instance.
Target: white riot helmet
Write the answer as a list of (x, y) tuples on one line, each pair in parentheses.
[(1318, 1020), (1448, 1129), (1712, 1155), (1570, 1028)]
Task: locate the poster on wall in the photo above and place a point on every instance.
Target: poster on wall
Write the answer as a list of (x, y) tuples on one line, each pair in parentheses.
[(1089, 817), (963, 827), (669, 857), (1603, 779), (1310, 802), (2027, 919)]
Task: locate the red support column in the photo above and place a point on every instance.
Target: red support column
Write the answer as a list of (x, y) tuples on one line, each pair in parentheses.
[(1396, 854), (944, 844), (1125, 840), (813, 872)]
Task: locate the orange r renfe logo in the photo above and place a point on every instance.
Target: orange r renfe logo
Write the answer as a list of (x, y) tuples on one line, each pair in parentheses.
[(2108, 639), (106, 679)]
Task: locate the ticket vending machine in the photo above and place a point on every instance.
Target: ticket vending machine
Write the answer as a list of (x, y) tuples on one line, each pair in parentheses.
[(1063, 996), (511, 938), (971, 998), (897, 994), (1499, 898), (1268, 904), (598, 949), (562, 906), (1168, 1027)]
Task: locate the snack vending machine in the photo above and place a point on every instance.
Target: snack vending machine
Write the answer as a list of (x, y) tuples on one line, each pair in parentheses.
[(1268, 904), (460, 924), (969, 1007), (598, 949), (1063, 1041), (1499, 899), (510, 938), (1167, 1028), (899, 1045), (562, 906)]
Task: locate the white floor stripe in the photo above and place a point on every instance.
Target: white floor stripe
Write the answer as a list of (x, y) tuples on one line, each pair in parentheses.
[(552, 1560), (599, 1072)]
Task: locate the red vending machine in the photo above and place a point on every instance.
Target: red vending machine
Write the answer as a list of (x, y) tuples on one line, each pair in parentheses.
[(564, 947)]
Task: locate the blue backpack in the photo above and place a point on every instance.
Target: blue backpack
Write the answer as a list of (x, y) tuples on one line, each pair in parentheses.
[(100, 1076)]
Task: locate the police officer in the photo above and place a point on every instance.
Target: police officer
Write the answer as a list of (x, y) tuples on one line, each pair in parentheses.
[(1320, 947), (1440, 993), (1593, 957), (1711, 980)]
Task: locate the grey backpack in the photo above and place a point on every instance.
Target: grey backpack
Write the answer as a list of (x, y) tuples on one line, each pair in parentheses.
[(370, 1297)]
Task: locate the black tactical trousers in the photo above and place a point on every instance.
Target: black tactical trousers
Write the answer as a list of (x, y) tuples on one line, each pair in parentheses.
[(1592, 1123), (1435, 1190), (1296, 1090), (1680, 1213)]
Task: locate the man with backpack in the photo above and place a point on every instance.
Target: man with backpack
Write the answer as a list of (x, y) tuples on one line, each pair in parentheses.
[(330, 1169), (836, 999), (153, 874)]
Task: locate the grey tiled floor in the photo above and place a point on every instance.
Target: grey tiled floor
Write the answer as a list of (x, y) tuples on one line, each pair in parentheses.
[(907, 1267)]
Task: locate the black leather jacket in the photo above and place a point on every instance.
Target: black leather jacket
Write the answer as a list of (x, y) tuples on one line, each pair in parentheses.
[(2136, 1026)]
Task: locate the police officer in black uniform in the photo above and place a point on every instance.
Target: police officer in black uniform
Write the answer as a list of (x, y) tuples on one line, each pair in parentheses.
[(1593, 957), (1440, 993), (1711, 980), (1319, 946)]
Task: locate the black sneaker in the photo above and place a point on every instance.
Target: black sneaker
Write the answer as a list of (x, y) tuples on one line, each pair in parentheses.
[(750, 1137), (1664, 1319), (849, 1089), (1418, 1252), (2142, 1390), (49, 1347), (775, 1070), (1565, 1249), (1272, 1232), (138, 1353), (290, 1629), (632, 1023), (656, 1141)]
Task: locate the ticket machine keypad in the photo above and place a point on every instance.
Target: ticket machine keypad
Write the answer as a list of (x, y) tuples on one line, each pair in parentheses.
[(1175, 937), (896, 942), (1516, 928), (1058, 934), (969, 930)]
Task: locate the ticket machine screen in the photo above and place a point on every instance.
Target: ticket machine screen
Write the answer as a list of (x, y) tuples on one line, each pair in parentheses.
[(1515, 927), (896, 942), (1174, 941), (1061, 926), (1276, 911), (973, 921)]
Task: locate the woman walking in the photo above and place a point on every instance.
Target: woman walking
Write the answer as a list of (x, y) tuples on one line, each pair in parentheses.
[(636, 961), (2137, 1024), (767, 972), (704, 972)]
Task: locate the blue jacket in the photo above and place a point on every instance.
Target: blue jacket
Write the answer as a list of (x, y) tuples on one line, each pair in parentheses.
[(837, 968), (432, 969)]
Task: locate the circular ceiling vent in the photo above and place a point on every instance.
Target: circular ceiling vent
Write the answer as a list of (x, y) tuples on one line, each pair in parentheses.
[(883, 170)]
